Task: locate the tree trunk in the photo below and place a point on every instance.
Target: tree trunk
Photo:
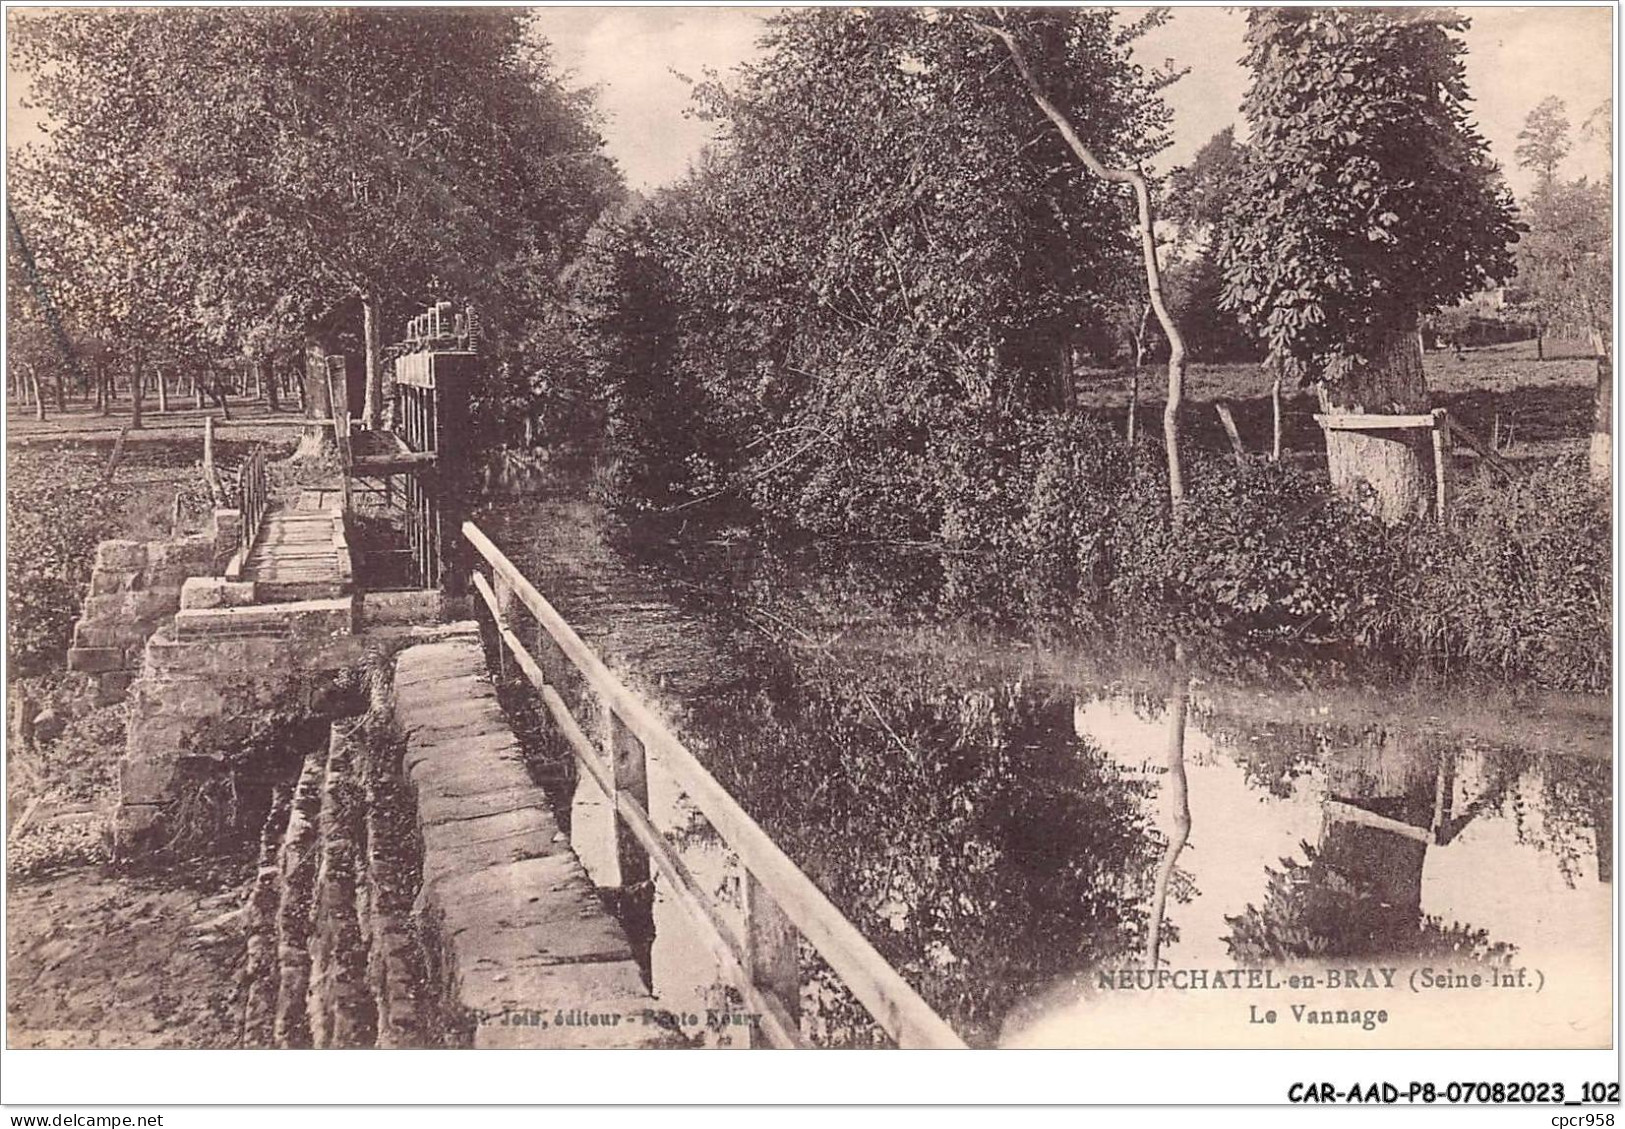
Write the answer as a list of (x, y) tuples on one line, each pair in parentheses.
[(1602, 425), (39, 396), (1391, 472), (268, 381), (163, 389), (1178, 829), (137, 393), (1540, 342), (1275, 414), (317, 441), (1146, 224), (374, 393)]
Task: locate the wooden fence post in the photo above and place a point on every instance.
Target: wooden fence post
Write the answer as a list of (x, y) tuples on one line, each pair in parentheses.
[(629, 772), (1229, 422), (1441, 464), (771, 942)]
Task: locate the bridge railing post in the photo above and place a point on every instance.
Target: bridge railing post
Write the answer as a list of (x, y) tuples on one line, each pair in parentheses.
[(502, 588), (771, 944), (629, 774)]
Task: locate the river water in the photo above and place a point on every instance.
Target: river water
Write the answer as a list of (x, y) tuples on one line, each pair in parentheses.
[(1023, 823)]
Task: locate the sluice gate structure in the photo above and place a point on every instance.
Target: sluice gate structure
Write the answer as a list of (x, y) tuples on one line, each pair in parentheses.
[(271, 609)]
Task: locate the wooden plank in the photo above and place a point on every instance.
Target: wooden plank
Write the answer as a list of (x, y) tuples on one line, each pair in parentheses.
[(893, 1003), (780, 1027), (1489, 456), (1339, 812), (1441, 465), (1354, 421)]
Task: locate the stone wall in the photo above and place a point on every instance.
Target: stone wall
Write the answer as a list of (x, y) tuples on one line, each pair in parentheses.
[(512, 928), (135, 586), (196, 695), (331, 959)]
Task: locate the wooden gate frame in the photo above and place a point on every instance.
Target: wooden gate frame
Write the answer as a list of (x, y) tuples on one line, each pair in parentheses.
[(1444, 429)]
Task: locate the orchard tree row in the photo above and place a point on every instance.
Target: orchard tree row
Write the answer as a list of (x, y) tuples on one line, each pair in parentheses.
[(228, 185)]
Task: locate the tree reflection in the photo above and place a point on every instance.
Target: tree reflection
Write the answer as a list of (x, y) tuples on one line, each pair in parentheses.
[(966, 831), (1358, 892), (1180, 829)]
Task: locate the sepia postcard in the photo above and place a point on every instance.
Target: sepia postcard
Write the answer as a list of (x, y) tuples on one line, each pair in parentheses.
[(811, 527)]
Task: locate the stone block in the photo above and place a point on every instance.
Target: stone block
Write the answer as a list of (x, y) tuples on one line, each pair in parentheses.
[(121, 554), (228, 526), (146, 605), (147, 780), (196, 551), (94, 660), (215, 592), (436, 807), (112, 686), (108, 581), (151, 604), (137, 826), (417, 606)]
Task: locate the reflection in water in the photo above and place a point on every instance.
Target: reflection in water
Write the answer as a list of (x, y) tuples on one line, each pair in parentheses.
[(1004, 820), (1180, 833), (1359, 891)]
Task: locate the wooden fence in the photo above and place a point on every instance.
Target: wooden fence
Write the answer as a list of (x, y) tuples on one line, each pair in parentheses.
[(780, 903)]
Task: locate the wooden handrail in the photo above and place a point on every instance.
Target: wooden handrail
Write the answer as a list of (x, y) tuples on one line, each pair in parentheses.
[(780, 1026), (894, 1004)]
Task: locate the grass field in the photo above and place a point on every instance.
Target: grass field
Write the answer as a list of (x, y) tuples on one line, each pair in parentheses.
[(1544, 407)]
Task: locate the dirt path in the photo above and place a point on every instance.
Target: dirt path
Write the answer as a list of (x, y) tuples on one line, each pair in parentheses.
[(97, 959)]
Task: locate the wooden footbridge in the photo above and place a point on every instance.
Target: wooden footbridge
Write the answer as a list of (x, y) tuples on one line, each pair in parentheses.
[(418, 472)]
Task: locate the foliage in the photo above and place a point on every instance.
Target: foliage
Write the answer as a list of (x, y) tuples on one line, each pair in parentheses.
[(881, 242), (1368, 197), (1566, 261), (1202, 194), (1544, 140), (1063, 514), (1519, 583), (57, 512), (233, 180), (1315, 910), (1265, 547), (979, 806)]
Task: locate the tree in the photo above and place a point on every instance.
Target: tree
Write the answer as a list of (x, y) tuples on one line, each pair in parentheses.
[(290, 163), (882, 253), (1146, 225), (1566, 263), (1369, 199), (1544, 140), (1202, 193)]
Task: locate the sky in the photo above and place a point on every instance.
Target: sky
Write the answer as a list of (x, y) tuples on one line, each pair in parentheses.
[(1516, 56), (635, 56)]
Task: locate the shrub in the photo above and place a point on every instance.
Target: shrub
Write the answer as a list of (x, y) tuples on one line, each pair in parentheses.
[(1519, 581), (1261, 547), (57, 511)]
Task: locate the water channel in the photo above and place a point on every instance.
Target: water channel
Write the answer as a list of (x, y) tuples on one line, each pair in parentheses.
[(1021, 820)]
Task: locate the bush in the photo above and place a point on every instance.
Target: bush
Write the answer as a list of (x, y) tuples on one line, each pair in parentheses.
[(1520, 581), (1061, 513), (57, 511), (1262, 547)]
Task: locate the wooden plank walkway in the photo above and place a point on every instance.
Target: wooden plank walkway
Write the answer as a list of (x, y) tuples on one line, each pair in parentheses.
[(296, 556)]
